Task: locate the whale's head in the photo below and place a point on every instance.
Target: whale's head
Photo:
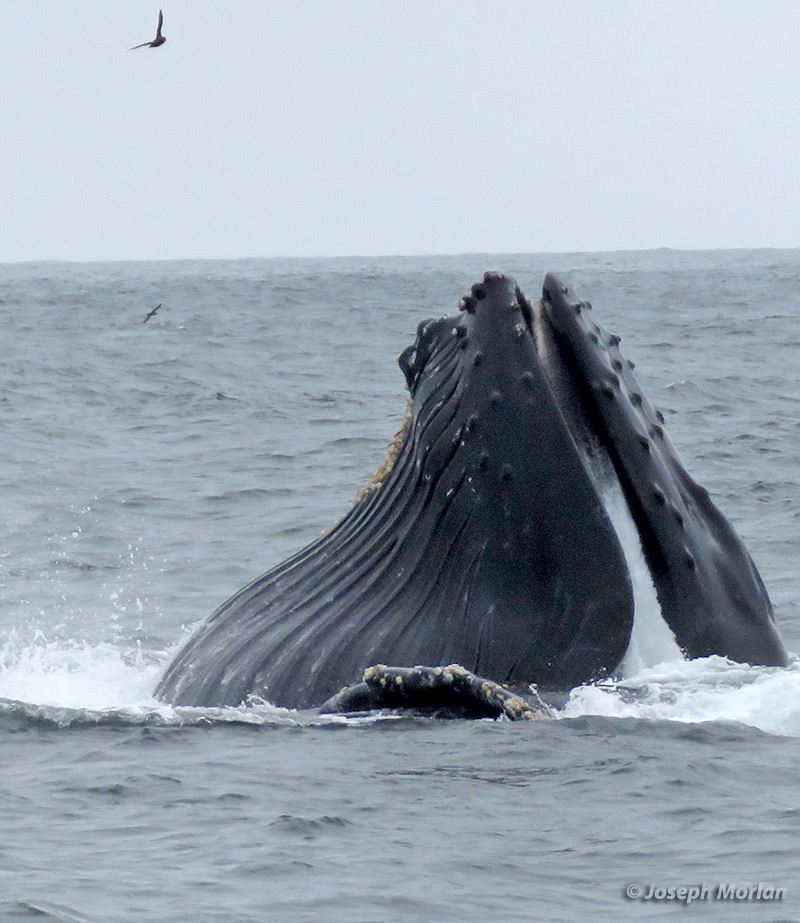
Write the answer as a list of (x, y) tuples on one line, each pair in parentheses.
[(494, 446), (488, 539), (533, 409)]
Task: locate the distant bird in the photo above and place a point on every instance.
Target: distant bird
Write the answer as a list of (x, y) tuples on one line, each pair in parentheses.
[(158, 40), (155, 309)]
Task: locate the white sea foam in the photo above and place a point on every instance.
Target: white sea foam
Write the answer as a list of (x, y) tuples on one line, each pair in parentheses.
[(75, 674), (652, 641), (76, 682), (79, 682), (706, 689)]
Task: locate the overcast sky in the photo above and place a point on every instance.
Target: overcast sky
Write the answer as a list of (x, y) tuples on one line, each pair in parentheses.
[(347, 127)]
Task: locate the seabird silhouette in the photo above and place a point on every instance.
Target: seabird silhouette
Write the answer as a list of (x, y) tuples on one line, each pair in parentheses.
[(155, 309), (158, 40)]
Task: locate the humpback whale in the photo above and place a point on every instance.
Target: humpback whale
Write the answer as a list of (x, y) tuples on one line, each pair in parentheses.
[(485, 540)]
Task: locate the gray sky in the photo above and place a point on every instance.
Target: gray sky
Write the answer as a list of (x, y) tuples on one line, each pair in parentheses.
[(344, 127)]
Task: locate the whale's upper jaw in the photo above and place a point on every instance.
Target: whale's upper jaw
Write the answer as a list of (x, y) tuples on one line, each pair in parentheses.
[(710, 592)]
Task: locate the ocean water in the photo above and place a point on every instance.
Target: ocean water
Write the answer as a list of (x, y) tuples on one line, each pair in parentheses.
[(150, 470)]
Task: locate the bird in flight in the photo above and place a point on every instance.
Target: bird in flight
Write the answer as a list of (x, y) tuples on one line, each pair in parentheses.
[(158, 40), (155, 309)]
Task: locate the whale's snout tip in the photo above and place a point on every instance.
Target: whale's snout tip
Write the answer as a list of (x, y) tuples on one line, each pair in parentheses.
[(553, 289)]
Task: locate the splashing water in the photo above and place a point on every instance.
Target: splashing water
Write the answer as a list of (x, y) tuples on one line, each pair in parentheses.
[(74, 682), (75, 675), (706, 689)]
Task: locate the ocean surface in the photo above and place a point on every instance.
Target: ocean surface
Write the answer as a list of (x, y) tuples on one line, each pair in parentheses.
[(150, 470)]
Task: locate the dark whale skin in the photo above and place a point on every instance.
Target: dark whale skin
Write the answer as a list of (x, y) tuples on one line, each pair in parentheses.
[(710, 592), (487, 543)]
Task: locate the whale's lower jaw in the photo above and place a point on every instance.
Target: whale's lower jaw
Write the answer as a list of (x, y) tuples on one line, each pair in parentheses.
[(488, 542)]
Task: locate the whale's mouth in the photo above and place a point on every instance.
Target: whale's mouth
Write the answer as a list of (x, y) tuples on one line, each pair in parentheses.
[(652, 641), (501, 420), (577, 391), (589, 377), (692, 578)]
